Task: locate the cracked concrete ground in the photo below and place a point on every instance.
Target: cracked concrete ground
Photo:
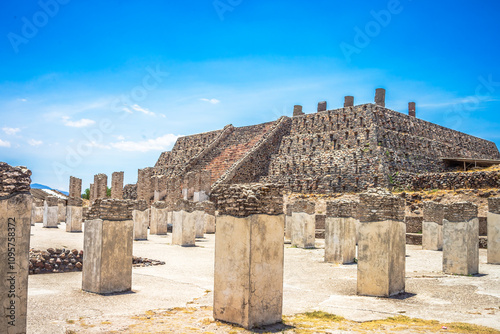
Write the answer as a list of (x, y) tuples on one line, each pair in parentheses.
[(56, 301)]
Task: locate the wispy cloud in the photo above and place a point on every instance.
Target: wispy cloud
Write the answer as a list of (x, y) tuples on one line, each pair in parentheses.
[(77, 124), (22, 100), (34, 142), (11, 131), (157, 144), (4, 143), (212, 101)]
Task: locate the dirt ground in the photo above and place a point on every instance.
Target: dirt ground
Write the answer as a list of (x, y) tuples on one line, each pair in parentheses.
[(177, 297)]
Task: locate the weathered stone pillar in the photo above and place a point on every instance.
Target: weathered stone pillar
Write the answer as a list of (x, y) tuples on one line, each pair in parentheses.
[(91, 193), (184, 224), (381, 244), (380, 97), (107, 250), (101, 186), (322, 106), (348, 101), (15, 218), (297, 110), (74, 210), (202, 189), (303, 224), (50, 212), (432, 226), (199, 221), (461, 239), (248, 278), (74, 218), (144, 184), (117, 185), (340, 231), (141, 222), (288, 223), (494, 230), (159, 218), (61, 210), (411, 109), (208, 215)]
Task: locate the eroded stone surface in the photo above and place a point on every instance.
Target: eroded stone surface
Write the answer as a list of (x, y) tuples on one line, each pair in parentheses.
[(141, 223), (74, 216), (183, 228), (303, 230), (493, 238)]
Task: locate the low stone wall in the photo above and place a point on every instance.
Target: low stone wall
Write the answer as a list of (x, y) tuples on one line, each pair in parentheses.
[(241, 200), (448, 181), (413, 224), (14, 179), (114, 209), (130, 191)]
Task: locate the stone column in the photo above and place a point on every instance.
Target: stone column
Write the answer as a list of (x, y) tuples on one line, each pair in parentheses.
[(494, 230), (288, 223), (380, 97), (208, 216), (348, 101), (461, 239), (50, 212), (340, 231), (101, 186), (297, 110), (117, 185), (15, 218), (74, 210), (411, 109), (91, 194), (107, 252), (184, 224), (432, 226), (322, 106), (159, 218), (141, 222), (248, 278), (144, 185), (61, 210), (381, 244), (303, 224)]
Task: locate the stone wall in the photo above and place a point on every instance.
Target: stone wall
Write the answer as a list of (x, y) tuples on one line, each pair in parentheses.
[(130, 191), (342, 209), (115, 209), (379, 205), (461, 212), (448, 180), (241, 200), (14, 180), (494, 205), (434, 212)]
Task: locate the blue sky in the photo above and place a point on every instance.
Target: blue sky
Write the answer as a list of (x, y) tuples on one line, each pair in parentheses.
[(91, 87)]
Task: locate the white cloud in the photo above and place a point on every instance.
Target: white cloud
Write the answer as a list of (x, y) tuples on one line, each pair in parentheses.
[(77, 124), (11, 131), (120, 137), (22, 100), (34, 142), (212, 101), (137, 107), (158, 144), (4, 143)]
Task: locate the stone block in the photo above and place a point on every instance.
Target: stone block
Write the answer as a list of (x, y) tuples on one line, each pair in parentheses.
[(461, 239), (381, 258), (493, 252), (380, 97), (432, 225), (15, 218), (74, 218), (340, 240), (248, 275), (303, 230), (199, 223), (141, 223), (348, 101), (183, 228), (107, 256), (61, 212), (50, 215), (200, 196), (209, 223), (159, 221)]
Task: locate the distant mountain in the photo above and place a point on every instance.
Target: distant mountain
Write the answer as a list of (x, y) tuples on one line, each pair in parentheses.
[(39, 186), (42, 186)]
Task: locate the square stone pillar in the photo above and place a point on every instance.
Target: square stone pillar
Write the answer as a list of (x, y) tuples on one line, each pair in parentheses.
[(494, 230), (303, 224), (199, 223), (381, 244), (159, 218), (461, 239), (100, 186), (74, 218), (117, 185), (15, 219), (340, 231), (209, 223), (184, 224), (432, 226), (50, 212), (249, 248), (141, 222), (107, 256), (288, 223)]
